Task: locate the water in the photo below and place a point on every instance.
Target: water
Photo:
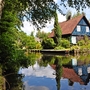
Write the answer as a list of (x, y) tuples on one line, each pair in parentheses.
[(52, 72)]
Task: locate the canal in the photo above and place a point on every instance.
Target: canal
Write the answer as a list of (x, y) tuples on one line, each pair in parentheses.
[(49, 72)]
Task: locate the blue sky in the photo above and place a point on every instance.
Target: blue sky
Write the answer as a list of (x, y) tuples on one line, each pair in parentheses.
[(49, 26)]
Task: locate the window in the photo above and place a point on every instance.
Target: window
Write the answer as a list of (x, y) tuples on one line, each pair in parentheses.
[(80, 71), (88, 69), (87, 29), (73, 39), (78, 28)]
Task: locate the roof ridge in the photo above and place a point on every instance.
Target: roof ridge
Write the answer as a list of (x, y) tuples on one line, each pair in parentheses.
[(73, 18)]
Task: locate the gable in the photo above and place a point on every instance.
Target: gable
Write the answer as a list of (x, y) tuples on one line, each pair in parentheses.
[(82, 28), (82, 22), (70, 27)]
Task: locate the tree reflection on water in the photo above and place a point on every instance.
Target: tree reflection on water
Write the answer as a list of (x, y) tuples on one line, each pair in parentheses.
[(58, 68), (76, 69)]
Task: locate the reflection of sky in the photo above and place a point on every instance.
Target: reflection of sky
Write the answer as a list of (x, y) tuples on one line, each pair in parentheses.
[(28, 87), (38, 71), (42, 78)]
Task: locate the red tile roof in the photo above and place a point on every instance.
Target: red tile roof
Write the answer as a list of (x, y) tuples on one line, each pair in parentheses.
[(67, 27), (70, 74)]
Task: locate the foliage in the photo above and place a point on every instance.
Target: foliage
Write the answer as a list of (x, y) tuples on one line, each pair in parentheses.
[(38, 46), (59, 47), (58, 69), (66, 60), (30, 42), (46, 60), (77, 4), (10, 69), (37, 11), (41, 34), (75, 47), (24, 41), (78, 14), (57, 31), (85, 58), (1, 82), (7, 36), (65, 43), (48, 43), (32, 58), (40, 11), (84, 44), (81, 42)]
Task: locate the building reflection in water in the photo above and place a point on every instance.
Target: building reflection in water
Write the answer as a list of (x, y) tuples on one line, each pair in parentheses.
[(74, 72)]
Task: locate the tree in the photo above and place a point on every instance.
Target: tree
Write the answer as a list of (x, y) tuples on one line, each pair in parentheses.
[(41, 34), (78, 14), (77, 4), (39, 11), (68, 15), (12, 12), (7, 35), (57, 31)]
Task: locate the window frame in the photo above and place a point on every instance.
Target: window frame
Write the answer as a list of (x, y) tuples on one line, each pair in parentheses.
[(87, 29), (78, 28)]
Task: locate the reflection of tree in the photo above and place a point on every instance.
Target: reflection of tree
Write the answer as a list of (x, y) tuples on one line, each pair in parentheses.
[(14, 82), (58, 63), (10, 69), (46, 60), (84, 58)]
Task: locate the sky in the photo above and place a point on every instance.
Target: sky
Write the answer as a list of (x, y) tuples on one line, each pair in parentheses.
[(28, 28)]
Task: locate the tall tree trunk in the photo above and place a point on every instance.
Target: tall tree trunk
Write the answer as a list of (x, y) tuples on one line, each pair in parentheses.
[(1, 7)]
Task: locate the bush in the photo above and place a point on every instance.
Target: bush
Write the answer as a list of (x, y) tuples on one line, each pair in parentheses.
[(65, 43), (48, 43), (75, 47), (38, 46), (59, 47), (81, 43)]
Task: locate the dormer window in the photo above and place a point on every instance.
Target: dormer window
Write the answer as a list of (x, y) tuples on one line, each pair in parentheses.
[(87, 29), (78, 28)]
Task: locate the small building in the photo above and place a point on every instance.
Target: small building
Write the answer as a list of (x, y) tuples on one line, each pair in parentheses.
[(74, 29)]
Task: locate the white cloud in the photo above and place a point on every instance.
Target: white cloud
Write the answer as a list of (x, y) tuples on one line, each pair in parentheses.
[(28, 27), (56, 1), (61, 18), (50, 26), (38, 71), (27, 87)]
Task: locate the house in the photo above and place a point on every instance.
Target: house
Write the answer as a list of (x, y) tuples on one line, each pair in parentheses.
[(74, 29), (70, 74)]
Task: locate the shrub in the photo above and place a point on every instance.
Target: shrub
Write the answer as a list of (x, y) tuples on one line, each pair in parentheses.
[(48, 43), (65, 43), (75, 47), (81, 43), (38, 46), (59, 47)]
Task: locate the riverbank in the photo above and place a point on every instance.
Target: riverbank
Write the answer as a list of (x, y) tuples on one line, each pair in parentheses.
[(63, 51)]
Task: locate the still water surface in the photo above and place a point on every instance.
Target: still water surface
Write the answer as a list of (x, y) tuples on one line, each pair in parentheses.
[(56, 72)]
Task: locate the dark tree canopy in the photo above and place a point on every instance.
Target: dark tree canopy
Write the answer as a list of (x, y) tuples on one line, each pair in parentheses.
[(36, 11), (39, 11), (77, 4)]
